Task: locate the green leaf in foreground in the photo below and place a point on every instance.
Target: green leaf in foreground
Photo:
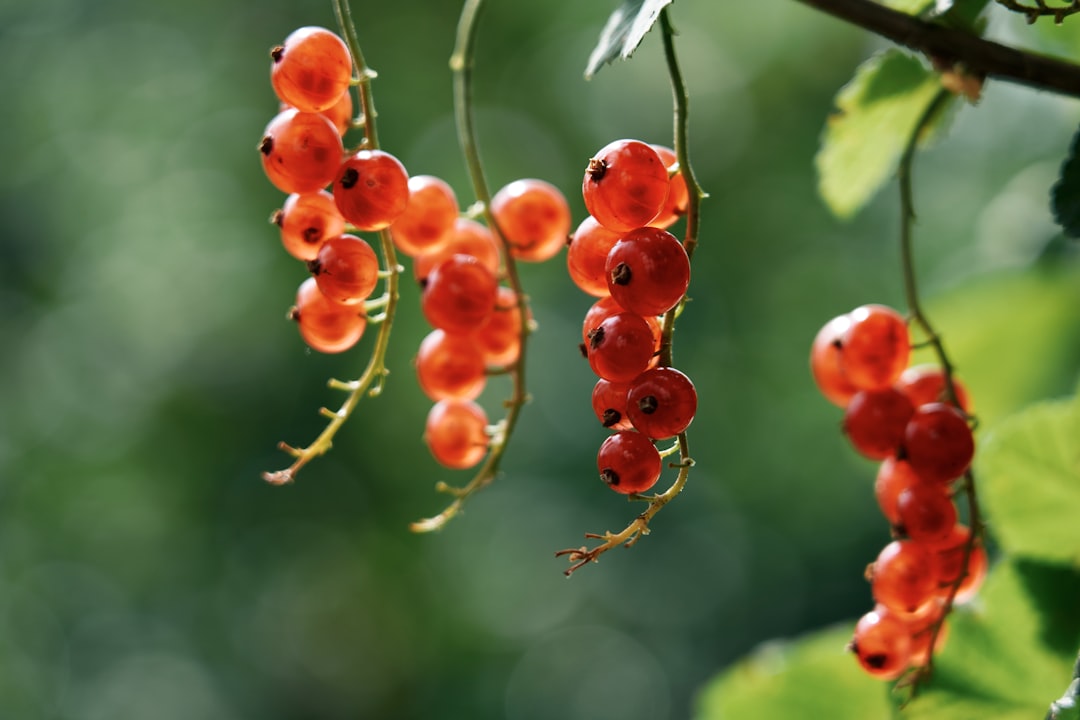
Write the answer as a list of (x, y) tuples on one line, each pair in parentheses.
[(1065, 195), (875, 114), (1029, 475), (624, 31)]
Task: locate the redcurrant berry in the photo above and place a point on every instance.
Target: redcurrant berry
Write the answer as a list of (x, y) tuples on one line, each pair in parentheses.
[(882, 644), (346, 269), (927, 514), (621, 347), (628, 462), (925, 384), (625, 185), (311, 69), (875, 348), (306, 221), (904, 577), (429, 217), (609, 404), (371, 189), (467, 238), (875, 421), (455, 433), (534, 218), (326, 326), (825, 362), (300, 151), (938, 442), (661, 402), (450, 367), (678, 197), (499, 338), (587, 255), (459, 295), (648, 271)]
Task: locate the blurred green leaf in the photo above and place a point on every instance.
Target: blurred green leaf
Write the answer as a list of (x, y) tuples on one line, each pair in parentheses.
[(911, 7), (1029, 481), (624, 31), (812, 677), (863, 140), (1065, 195)]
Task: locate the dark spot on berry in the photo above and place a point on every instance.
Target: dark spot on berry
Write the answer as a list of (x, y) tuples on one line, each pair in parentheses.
[(349, 178), (312, 234), (596, 338), (877, 660), (584, 350), (648, 404), (266, 146), (620, 274), (278, 217), (609, 476), (276, 52), (597, 169), (293, 314), (314, 267), (611, 416)]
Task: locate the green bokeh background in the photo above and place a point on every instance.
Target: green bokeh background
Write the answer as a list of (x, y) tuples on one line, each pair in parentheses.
[(147, 572)]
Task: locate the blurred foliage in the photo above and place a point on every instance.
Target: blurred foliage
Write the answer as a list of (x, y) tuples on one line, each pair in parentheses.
[(147, 571)]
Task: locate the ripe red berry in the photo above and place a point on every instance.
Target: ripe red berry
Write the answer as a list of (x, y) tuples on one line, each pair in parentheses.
[(371, 189), (825, 362), (300, 151), (455, 433), (450, 367), (621, 347), (661, 402), (468, 237), (306, 221), (648, 271), (609, 404), (938, 442), (534, 218), (874, 422), (875, 348), (499, 338), (459, 295), (326, 326), (625, 185), (678, 197), (628, 462), (925, 384), (586, 256), (429, 217), (604, 308), (311, 69), (927, 513), (882, 644), (905, 577), (346, 269), (893, 477)]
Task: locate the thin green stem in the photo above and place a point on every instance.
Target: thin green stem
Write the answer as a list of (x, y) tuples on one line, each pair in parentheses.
[(919, 317), (461, 65), (370, 381), (579, 557)]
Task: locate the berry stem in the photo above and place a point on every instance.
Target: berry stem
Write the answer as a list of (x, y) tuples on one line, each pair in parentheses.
[(579, 557), (907, 261), (371, 380), (461, 65)]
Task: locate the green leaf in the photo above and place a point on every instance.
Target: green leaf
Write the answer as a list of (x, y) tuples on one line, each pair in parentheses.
[(876, 113), (624, 31), (1065, 195), (911, 7), (812, 677), (1029, 481), (1010, 651)]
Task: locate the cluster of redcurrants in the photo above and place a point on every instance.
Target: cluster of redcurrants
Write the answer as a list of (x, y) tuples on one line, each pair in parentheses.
[(623, 255), (907, 418), (303, 153)]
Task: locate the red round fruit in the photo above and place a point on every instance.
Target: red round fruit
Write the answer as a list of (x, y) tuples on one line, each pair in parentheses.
[(893, 477), (825, 362), (429, 217), (882, 644), (628, 462), (661, 402), (621, 347), (609, 404), (625, 185), (874, 422), (307, 220), (450, 367), (925, 384), (456, 433), (905, 577), (371, 189), (326, 326), (311, 69), (875, 348), (587, 255), (648, 271), (459, 295), (927, 513), (300, 151), (938, 442), (678, 197), (534, 218), (346, 269), (604, 308), (467, 238), (499, 338)]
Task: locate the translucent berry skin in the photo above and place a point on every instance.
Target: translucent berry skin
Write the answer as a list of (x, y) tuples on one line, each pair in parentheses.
[(609, 404), (604, 308), (340, 113), (874, 422), (468, 237), (938, 442), (429, 217), (825, 362), (311, 69), (625, 185), (621, 347), (925, 384), (499, 338), (455, 433), (875, 348), (534, 217), (628, 462), (371, 189), (300, 151), (661, 402), (927, 513), (882, 644), (307, 220), (894, 477), (459, 295), (648, 271), (678, 197), (326, 326), (905, 577), (950, 563), (586, 256), (450, 367), (346, 269), (922, 631)]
